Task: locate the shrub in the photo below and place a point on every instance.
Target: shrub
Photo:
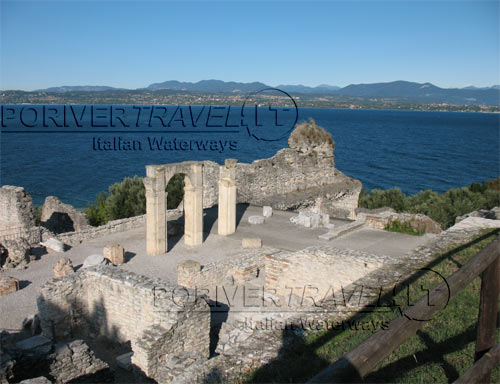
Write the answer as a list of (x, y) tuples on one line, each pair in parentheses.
[(443, 208), (175, 190), (128, 198), (403, 227), (310, 133)]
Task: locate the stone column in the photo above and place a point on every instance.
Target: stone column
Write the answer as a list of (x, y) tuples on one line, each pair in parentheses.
[(156, 219), (193, 206), (227, 198)]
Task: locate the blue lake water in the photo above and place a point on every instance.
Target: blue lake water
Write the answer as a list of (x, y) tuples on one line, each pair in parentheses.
[(412, 150)]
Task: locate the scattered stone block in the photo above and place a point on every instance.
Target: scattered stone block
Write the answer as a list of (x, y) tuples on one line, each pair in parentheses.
[(305, 220), (114, 253), (125, 361), (8, 285), (36, 380), (54, 245), (94, 260), (256, 219), (251, 242), (267, 211), (62, 268)]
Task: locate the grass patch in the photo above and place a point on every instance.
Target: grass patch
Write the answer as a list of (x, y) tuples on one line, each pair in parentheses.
[(440, 352), (403, 227)]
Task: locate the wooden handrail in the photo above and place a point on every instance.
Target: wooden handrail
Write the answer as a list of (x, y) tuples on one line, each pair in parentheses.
[(360, 361)]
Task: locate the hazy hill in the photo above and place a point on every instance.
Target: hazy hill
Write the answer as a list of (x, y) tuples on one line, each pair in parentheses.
[(73, 88), (423, 93), (209, 86)]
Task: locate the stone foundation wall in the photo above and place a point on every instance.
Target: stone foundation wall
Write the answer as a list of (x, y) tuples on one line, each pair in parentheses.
[(317, 271), (109, 302), (114, 226), (244, 266)]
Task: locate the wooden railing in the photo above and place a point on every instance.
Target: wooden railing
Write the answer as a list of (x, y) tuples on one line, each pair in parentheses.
[(359, 362)]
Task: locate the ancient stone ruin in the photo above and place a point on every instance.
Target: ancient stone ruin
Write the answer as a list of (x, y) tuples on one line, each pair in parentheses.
[(302, 176), (59, 217), (157, 177), (16, 206), (161, 321)]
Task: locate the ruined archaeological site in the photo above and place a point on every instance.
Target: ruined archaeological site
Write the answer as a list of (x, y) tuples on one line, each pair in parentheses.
[(256, 255)]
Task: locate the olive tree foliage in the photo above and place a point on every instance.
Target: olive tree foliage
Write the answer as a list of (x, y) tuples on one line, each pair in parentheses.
[(128, 198), (443, 208)]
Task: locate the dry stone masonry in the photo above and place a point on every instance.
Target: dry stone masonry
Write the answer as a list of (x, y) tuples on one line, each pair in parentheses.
[(302, 176), (319, 270), (160, 320), (17, 211), (59, 217)]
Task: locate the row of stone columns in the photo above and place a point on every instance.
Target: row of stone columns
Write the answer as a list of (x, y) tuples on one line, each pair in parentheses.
[(156, 204)]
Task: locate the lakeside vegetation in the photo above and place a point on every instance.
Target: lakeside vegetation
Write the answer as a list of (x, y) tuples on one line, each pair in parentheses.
[(128, 198), (442, 208)]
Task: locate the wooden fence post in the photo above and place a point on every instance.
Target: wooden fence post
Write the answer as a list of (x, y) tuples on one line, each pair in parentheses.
[(488, 309)]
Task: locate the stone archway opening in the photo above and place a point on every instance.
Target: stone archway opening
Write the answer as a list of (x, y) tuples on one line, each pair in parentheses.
[(156, 181)]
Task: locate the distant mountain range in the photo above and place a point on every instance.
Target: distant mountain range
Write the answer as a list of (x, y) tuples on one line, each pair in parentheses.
[(395, 91)]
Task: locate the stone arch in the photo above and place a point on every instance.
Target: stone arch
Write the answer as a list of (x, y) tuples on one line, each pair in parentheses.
[(156, 180), (157, 177)]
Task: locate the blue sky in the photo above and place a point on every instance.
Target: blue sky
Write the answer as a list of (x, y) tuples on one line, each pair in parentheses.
[(133, 44)]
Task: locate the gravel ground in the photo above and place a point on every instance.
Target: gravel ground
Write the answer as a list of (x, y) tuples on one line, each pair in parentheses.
[(277, 232)]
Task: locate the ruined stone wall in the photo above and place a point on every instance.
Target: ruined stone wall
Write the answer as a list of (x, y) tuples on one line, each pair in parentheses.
[(59, 217), (16, 210), (302, 176), (317, 271), (244, 266), (114, 226), (119, 305)]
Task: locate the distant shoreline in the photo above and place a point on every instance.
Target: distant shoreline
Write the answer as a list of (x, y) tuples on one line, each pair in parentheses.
[(382, 107)]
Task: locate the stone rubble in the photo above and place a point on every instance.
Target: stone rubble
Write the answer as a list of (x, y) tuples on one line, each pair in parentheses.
[(62, 268), (492, 214), (267, 211), (256, 219), (18, 253), (8, 285), (53, 245), (93, 260), (311, 219)]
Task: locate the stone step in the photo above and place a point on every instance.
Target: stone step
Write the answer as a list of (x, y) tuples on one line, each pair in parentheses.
[(341, 231)]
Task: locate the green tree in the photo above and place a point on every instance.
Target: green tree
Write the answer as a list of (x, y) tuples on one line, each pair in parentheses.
[(128, 198)]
